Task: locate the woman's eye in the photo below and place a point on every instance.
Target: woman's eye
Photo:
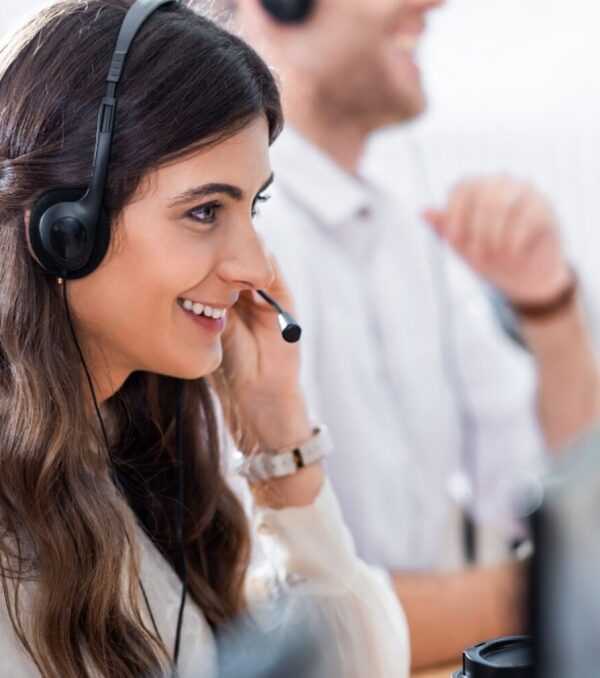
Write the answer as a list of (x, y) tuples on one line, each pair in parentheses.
[(205, 214), (259, 199)]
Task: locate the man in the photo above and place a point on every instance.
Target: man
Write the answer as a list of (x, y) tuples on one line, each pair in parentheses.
[(402, 357)]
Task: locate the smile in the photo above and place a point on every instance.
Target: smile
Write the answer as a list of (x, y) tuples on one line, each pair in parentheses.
[(199, 309)]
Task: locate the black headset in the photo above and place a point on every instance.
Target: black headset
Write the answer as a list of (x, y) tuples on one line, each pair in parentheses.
[(69, 230), (288, 11)]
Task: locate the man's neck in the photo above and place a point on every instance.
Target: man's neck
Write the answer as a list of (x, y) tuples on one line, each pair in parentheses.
[(341, 138)]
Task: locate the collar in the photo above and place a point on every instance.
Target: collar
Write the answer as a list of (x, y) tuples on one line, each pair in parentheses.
[(315, 181)]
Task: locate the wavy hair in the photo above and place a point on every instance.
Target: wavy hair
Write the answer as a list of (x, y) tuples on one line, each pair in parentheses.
[(68, 562)]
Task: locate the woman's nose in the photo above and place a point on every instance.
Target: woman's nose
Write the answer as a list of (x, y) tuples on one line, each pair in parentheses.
[(247, 264)]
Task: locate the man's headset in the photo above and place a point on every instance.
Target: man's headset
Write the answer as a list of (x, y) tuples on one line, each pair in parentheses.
[(288, 11)]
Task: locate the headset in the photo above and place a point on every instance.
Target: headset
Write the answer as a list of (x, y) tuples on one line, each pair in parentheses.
[(69, 230), (288, 11)]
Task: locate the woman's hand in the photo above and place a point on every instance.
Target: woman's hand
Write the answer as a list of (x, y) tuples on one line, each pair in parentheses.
[(262, 370), (508, 233)]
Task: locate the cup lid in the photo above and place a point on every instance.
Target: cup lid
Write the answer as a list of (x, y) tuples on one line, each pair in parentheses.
[(509, 657)]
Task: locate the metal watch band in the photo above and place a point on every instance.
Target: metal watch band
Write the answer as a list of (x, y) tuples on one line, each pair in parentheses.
[(268, 465)]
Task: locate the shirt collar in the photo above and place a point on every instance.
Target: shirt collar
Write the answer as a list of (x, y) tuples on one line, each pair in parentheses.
[(317, 182)]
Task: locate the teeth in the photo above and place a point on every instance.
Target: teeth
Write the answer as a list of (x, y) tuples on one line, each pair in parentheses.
[(200, 309)]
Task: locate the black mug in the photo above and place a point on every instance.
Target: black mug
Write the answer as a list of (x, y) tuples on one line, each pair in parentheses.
[(510, 657)]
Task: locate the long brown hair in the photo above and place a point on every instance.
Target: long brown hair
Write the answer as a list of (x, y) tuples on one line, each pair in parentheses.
[(63, 524)]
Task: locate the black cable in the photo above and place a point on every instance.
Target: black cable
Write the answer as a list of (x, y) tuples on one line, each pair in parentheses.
[(290, 330), (104, 434), (179, 517)]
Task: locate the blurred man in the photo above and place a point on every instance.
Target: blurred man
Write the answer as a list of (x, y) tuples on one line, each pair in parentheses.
[(402, 356)]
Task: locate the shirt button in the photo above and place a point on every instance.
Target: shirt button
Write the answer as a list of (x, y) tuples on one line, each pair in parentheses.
[(293, 579), (265, 528)]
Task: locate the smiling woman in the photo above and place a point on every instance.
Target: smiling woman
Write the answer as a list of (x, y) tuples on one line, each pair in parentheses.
[(129, 323), (202, 248), (97, 539)]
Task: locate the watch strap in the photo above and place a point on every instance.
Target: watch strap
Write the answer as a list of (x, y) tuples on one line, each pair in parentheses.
[(264, 466)]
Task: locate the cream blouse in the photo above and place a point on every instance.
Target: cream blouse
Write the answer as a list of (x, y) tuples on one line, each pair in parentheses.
[(311, 556)]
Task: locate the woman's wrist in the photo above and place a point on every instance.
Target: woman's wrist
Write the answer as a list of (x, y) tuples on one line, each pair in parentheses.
[(300, 489), (281, 425)]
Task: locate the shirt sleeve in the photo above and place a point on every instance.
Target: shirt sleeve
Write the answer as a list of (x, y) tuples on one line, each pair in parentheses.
[(313, 558)]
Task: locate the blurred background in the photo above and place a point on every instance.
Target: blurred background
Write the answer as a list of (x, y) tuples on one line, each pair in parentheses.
[(514, 87)]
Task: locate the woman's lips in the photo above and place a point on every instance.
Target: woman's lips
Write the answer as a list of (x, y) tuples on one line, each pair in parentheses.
[(215, 325)]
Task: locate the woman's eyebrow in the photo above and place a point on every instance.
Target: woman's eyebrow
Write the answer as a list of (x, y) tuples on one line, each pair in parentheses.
[(206, 190)]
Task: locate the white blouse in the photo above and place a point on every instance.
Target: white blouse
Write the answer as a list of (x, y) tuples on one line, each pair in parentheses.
[(313, 558)]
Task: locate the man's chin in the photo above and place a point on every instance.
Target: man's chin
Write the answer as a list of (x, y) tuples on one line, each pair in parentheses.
[(413, 106), (405, 112)]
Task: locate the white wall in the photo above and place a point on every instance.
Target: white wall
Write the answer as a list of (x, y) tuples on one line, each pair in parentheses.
[(13, 12)]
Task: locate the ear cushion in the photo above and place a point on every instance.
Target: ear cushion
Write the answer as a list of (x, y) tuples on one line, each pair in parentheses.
[(288, 11), (47, 259)]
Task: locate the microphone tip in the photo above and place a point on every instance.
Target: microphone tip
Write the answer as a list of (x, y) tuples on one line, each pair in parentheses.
[(292, 333)]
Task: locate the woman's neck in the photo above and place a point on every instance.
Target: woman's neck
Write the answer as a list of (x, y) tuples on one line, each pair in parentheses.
[(106, 375)]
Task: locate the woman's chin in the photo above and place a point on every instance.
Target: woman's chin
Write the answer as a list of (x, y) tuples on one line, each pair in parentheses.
[(196, 369)]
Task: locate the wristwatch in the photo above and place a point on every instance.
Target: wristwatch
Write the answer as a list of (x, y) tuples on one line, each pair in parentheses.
[(278, 464)]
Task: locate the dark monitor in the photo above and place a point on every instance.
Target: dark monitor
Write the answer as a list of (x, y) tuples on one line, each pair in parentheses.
[(565, 573)]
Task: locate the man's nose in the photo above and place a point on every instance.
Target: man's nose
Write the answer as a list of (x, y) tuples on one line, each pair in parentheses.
[(426, 5)]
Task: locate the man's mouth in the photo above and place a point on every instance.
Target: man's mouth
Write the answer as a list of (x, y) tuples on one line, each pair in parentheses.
[(406, 43)]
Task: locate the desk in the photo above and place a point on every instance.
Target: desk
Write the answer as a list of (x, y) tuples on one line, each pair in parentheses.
[(441, 672)]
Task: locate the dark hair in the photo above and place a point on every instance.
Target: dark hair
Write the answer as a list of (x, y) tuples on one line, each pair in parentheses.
[(186, 83)]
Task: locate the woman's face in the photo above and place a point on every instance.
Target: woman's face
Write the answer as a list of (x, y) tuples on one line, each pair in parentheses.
[(184, 248)]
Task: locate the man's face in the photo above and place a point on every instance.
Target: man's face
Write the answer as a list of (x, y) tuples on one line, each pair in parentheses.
[(361, 56)]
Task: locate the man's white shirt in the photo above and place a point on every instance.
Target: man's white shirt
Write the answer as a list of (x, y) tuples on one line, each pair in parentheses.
[(401, 357)]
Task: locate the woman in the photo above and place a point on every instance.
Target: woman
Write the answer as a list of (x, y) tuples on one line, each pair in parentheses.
[(89, 547)]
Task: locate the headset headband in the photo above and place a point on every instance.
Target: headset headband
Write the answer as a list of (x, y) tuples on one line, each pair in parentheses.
[(69, 230), (135, 18)]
